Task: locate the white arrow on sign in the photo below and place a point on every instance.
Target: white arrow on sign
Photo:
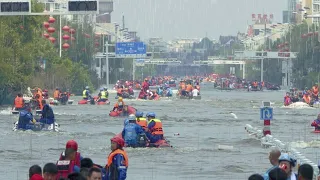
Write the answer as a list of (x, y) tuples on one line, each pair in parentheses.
[(267, 113)]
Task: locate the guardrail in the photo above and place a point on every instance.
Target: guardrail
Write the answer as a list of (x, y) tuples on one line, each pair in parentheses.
[(269, 140)]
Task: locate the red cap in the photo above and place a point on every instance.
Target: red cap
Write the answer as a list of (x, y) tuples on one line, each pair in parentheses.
[(118, 140), (72, 144), (36, 177)]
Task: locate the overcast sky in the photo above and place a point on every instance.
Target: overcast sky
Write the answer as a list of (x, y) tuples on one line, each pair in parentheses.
[(171, 19)]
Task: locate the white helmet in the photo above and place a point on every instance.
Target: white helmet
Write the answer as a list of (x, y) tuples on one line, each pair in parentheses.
[(132, 117)]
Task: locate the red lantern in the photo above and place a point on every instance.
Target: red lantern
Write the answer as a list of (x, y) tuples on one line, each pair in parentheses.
[(72, 31), (46, 35), (51, 30), (66, 28), (51, 20), (52, 39), (46, 25), (97, 44), (66, 37), (97, 36), (303, 35), (65, 46), (73, 39), (87, 35), (286, 43), (310, 34)]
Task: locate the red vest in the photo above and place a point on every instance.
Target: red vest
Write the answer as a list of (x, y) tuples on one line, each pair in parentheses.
[(76, 161), (65, 167)]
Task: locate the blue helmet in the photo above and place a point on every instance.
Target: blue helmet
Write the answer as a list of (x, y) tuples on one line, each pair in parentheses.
[(126, 121), (287, 157), (151, 114), (139, 114), (101, 89)]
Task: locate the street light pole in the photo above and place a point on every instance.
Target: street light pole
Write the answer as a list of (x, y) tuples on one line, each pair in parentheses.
[(107, 63)]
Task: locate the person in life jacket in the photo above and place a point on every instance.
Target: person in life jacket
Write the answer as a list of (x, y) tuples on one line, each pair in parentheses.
[(102, 96), (56, 94), (315, 92), (141, 121), (145, 84), (287, 100), (154, 131), (67, 165), (39, 97), (86, 93), (119, 105), (26, 120), (287, 163), (132, 132), (316, 123), (73, 145), (45, 94), (169, 92), (18, 103), (306, 98), (142, 94), (47, 115), (106, 91), (118, 161)]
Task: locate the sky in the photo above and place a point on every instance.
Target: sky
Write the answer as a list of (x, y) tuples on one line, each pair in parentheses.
[(171, 19)]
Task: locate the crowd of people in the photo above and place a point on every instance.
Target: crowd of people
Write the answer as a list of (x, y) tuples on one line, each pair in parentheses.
[(283, 168), (72, 166)]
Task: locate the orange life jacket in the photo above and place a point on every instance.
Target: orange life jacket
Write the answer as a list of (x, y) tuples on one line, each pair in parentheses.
[(18, 102), (113, 153), (315, 90), (307, 99), (157, 128), (189, 87), (142, 122), (119, 91)]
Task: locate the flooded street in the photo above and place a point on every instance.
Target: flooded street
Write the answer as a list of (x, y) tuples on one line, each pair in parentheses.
[(203, 125)]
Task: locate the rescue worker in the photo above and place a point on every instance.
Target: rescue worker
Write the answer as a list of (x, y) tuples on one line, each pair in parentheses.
[(73, 145), (315, 92), (117, 164), (316, 123), (154, 130), (141, 121), (67, 165), (18, 103), (38, 97), (56, 94), (145, 84), (169, 92), (132, 132), (287, 100), (47, 116), (102, 96), (45, 94), (86, 93), (287, 164), (119, 105), (25, 120), (106, 91)]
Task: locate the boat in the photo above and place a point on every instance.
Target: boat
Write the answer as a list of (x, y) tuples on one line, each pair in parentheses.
[(190, 97), (38, 127), (316, 131), (56, 102), (126, 97), (298, 105), (163, 143), (131, 110)]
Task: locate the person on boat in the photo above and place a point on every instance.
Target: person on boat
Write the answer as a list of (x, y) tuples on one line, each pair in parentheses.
[(287, 163), (287, 100), (56, 94), (38, 97), (119, 105), (106, 91), (72, 144), (47, 115), (86, 93), (142, 94), (274, 161), (132, 131), (255, 84), (145, 84), (315, 92), (160, 90), (189, 89), (67, 165), (195, 92), (25, 119), (316, 123), (18, 103), (306, 98), (45, 94), (169, 92), (118, 161), (154, 129), (141, 121), (102, 96)]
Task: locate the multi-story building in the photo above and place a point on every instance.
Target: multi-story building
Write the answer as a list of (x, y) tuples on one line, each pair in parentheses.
[(315, 10)]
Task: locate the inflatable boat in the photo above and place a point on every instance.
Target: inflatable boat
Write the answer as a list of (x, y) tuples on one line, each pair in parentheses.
[(130, 109), (56, 102), (163, 143), (38, 127), (190, 97)]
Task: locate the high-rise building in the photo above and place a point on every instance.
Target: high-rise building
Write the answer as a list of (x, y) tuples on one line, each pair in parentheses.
[(289, 16)]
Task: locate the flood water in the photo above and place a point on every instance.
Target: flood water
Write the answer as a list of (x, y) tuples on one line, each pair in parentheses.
[(203, 125)]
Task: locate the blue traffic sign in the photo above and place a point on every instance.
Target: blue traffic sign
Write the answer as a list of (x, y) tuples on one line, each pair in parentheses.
[(266, 113), (131, 49)]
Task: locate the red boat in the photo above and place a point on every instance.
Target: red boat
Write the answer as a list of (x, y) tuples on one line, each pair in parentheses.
[(131, 110), (83, 101), (159, 144)]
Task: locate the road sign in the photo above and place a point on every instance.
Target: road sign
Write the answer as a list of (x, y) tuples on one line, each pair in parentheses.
[(15, 7), (131, 49), (139, 62), (266, 113)]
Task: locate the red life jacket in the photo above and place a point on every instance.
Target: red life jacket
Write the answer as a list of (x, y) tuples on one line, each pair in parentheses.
[(76, 161), (65, 167)]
